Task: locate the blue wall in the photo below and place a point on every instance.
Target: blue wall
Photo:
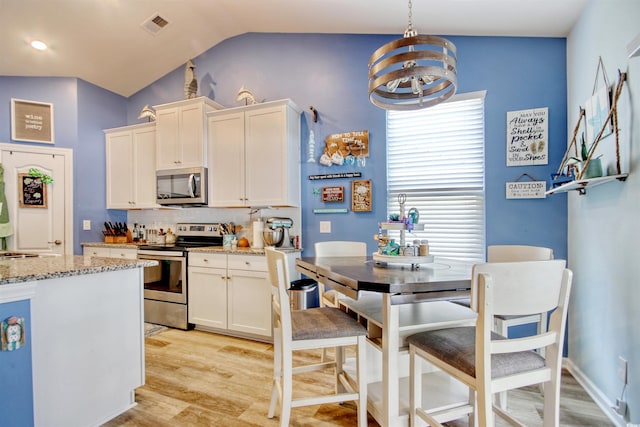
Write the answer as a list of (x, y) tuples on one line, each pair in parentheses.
[(16, 381), (330, 73), (80, 110)]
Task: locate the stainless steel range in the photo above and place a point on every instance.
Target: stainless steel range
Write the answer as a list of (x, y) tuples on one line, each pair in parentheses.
[(166, 285)]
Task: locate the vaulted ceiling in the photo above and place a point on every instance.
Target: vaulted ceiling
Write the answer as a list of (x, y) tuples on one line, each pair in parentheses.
[(112, 44)]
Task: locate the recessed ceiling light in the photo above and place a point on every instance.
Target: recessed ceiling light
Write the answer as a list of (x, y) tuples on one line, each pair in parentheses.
[(39, 45)]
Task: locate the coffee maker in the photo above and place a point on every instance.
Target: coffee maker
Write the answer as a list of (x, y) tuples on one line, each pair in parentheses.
[(282, 224)]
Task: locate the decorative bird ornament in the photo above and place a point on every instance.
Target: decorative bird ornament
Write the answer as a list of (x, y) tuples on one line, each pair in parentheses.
[(246, 96), (190, 80)]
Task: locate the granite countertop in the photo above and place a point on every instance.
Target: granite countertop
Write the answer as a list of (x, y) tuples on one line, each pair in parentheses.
[(51, 267), (237, 251), (205, 249), (112, 245)]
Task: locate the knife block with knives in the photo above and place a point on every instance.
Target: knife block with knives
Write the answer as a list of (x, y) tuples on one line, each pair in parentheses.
[(116, 232)]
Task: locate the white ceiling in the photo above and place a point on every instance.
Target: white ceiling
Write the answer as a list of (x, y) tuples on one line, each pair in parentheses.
[(103, 42)]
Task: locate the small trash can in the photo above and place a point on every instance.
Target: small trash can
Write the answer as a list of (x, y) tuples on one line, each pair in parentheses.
[(303, 294)]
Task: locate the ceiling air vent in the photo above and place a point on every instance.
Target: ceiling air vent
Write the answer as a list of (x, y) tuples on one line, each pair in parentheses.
[(155, 24)]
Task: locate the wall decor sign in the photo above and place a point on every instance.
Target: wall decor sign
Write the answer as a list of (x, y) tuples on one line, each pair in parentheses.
[(335, 175), (32, 191), (526, 190), (361, 195), (31, 121), (332, 194), (528, 137), (347, 148)]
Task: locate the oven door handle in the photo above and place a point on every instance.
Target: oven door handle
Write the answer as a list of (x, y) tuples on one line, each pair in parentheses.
[(159, 256)]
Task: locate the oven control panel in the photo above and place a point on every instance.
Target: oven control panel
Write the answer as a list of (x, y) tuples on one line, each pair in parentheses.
[(203, 229)]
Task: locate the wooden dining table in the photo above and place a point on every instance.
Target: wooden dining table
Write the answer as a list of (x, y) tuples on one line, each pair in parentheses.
[(393, 301)]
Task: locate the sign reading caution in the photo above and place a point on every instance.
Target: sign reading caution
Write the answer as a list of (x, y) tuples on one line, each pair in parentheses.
[(526, 190)]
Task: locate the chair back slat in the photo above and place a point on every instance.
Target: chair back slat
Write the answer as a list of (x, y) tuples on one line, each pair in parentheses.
[(514, 253), (337, 248), (521, 288), (523, 344)]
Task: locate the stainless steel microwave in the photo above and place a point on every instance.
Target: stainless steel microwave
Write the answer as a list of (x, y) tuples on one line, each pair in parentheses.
[(186, 186)]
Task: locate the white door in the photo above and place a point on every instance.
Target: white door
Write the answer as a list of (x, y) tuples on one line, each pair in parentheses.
[(46, 229)]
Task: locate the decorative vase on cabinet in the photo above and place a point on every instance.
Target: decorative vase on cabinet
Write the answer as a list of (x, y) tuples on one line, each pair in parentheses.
[(254, 155)]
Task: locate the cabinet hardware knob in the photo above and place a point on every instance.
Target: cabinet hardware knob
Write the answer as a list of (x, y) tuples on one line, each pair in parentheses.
[(57, 242)]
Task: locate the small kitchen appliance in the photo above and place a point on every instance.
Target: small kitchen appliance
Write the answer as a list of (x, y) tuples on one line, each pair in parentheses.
[(281, 225), (166, 284)]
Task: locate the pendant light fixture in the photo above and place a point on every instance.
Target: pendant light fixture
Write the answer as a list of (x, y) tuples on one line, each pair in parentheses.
[(413, 72)]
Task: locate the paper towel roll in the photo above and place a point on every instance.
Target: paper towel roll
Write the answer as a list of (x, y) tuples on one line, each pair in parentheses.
[(258, 227)]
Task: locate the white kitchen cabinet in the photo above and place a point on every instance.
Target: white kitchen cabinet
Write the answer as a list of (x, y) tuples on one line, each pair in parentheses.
[(131, 173), (105, 252), (230, 294), (207, 293), (254, 155), (182, 133)]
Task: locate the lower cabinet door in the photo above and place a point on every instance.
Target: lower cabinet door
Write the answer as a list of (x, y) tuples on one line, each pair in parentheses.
[(249, 296), (207, 295)]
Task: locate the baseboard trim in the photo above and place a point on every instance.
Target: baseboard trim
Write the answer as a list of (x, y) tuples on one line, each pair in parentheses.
[(598, 397)]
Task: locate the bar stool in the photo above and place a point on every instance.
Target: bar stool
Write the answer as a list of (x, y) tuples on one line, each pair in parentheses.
[(489, 363), (315, 328), (336, 248), (501, 323)]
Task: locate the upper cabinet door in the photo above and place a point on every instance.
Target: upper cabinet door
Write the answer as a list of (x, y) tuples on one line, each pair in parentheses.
[(226, 159), (167, 138), (192, 144), (131, 172), (254, 155), (119, 169), (144, 167), (266, 156), (182, 133)]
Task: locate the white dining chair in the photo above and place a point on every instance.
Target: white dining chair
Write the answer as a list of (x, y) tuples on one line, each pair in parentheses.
[(314, 328), (487, 362), (336, 248), (501, 323), (512, 253)]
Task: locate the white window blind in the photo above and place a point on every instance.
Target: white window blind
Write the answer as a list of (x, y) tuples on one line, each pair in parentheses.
[(436, 157)]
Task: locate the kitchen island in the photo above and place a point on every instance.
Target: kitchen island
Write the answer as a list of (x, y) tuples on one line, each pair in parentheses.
[(86, 335)]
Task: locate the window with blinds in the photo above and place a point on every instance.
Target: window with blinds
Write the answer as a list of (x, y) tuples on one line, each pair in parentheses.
[(436, 157)]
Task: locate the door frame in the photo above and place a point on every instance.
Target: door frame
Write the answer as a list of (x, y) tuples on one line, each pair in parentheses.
[(67, 153)]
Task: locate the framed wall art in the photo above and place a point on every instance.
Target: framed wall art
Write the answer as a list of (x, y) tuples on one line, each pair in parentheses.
[(527, 137), (361, 195), (31, 121)]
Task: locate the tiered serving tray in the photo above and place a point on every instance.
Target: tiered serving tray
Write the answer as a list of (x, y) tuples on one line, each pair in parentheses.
[(414, 261)]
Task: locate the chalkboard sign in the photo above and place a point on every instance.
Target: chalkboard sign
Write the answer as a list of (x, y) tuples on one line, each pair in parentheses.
[(32, 192)]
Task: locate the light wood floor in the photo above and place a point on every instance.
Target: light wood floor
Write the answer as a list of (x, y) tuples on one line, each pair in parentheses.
[(195, 378)]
